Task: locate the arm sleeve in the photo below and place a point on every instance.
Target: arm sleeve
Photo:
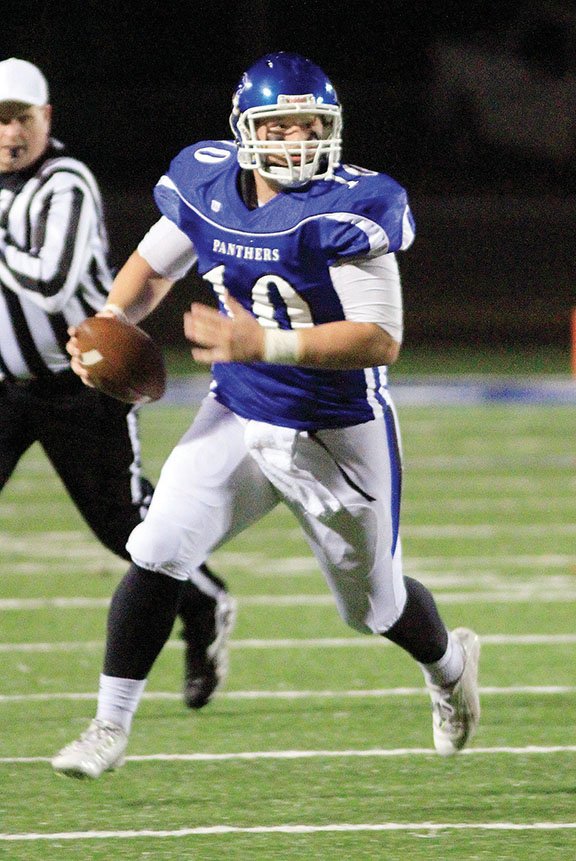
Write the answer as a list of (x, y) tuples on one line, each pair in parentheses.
[(168, 250), (370, 291)]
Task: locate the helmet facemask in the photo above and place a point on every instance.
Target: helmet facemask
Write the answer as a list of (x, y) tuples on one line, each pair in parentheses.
[(316, 158)]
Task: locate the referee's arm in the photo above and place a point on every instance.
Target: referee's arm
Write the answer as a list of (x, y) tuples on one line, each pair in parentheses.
[(48, 274)]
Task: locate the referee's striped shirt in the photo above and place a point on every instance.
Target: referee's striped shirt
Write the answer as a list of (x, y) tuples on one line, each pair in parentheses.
[(54, 270)]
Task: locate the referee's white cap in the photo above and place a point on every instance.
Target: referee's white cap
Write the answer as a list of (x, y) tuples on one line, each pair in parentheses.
[(21, 81)]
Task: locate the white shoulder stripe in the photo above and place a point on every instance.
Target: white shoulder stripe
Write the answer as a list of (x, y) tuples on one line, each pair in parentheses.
[(407, 231), (376, 235)]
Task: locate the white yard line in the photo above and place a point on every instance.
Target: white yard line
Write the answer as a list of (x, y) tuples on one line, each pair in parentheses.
[(559, 589), (299, 643), (39, 560), (318, 754), (508, 504), (217, 830), (540, 560), (487, 530), (373, 693), (561, 503), (489, 462), (74, 545)]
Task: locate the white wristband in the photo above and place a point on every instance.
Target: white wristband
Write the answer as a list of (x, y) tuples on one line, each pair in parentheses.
[(116, 310), (281, 347)]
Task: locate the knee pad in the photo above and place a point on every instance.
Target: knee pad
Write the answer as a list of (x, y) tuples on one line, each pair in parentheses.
[(154, 544), (363, 574)]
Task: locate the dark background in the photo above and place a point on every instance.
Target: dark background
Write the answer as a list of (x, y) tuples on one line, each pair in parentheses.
[(133, 83)]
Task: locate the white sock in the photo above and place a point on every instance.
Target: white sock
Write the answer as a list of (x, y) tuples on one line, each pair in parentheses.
[(448, 669), (118, 700)]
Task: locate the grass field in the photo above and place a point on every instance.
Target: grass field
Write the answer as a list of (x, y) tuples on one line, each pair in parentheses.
[(320, 746)]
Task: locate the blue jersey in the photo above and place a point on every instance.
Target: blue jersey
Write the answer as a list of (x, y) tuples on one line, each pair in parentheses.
[(275, 261)]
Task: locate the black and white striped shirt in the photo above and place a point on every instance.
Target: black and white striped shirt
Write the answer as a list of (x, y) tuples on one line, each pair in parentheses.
[(54, 270)]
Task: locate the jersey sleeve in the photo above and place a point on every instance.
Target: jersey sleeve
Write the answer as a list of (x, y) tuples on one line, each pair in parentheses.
[(375, 218), (192, 167)]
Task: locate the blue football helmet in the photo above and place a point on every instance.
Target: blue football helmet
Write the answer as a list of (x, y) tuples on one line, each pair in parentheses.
[(278, 85)]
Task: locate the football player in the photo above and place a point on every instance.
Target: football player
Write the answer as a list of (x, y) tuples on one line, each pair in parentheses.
[(301, 252)]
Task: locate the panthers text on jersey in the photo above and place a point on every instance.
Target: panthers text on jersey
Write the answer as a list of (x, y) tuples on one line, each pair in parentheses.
[(275, 261)]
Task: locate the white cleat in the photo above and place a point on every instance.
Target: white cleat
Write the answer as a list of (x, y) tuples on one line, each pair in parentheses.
[(100, 748), (456, 710)]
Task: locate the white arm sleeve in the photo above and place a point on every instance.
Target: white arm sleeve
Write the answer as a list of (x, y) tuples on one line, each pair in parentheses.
[(370, 292), (169, 252)]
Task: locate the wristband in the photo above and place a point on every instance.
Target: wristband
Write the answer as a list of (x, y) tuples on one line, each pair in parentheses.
[(281, 347), (116, 310)]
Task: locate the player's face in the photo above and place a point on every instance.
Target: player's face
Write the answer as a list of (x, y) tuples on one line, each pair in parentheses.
[(288, 129), (24, 131)]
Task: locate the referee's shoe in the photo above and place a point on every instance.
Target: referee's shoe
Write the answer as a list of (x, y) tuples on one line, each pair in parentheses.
[(207, 625)]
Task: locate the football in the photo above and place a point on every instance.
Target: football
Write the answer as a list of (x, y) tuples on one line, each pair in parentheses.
[(122, 360)]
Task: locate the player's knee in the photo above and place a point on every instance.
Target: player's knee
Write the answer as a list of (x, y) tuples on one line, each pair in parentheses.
[(372, 611), (155, 544), (353, 610), (355, 620)]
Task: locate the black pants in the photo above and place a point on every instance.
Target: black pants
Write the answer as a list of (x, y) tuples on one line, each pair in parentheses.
[(92, 442)]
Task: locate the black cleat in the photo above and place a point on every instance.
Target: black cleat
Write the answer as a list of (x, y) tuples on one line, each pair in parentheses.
[(207, 627)]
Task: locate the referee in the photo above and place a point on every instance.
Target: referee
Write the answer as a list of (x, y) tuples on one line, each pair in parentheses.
[(54, 272)]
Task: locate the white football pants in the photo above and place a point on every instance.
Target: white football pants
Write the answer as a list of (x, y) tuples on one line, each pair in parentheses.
[(342, 485)]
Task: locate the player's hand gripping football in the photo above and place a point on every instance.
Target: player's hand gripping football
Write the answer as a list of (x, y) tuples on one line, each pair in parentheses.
[(218, 338), (73, 349), (118, 358)]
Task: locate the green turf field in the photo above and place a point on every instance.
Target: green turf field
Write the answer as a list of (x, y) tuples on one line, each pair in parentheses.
[(320, 745)]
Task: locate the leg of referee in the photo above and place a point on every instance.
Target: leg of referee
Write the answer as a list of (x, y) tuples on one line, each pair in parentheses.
[(93, 442)]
